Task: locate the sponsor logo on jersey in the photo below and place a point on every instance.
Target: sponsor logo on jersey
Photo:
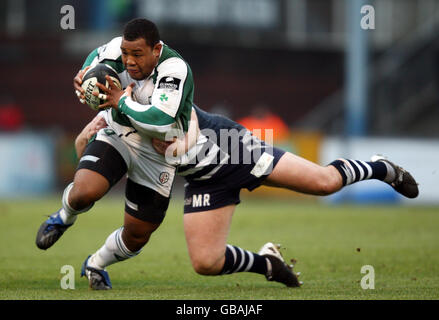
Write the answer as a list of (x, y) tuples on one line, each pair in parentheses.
[(164, 177), (169, 83)]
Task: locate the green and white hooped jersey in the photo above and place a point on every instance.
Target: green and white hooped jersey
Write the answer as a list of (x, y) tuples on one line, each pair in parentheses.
[(160, 104)]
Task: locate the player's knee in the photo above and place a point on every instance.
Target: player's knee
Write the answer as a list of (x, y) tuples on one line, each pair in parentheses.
[(135, 244), (82, 196), (135, 236), (328, 183), (206, 265), (325, 188), (88, 187), (204, 268)]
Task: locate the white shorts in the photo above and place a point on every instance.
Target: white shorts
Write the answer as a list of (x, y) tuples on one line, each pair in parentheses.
[(144, 165)]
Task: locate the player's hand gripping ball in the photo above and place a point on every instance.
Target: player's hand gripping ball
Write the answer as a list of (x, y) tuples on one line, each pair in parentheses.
[(94, 75)]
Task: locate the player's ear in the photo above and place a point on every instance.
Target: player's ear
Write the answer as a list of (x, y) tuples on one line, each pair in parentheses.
[(157, 48)]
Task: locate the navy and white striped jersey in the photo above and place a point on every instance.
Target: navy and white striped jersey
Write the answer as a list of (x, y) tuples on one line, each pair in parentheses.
[(223, 146)]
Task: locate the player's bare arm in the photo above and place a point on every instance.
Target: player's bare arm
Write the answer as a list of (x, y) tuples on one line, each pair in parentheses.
[(89, 130), (160, 146), (178, 146)]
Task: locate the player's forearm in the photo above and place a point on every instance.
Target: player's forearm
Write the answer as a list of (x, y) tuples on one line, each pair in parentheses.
[(84, 137), (88, 133), (147, 116), (80, 145)]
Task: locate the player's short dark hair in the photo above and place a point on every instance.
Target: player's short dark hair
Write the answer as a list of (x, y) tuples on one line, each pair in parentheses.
[(142, 28)]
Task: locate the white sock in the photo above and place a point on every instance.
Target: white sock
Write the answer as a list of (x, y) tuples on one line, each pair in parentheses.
[(68, 214), (66, 217), (114, 250)]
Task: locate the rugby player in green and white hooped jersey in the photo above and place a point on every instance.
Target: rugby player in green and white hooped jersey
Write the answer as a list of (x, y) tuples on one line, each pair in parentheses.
[(160, 103), (158, 99)]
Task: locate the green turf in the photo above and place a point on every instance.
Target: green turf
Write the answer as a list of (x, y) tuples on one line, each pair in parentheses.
[(330, 243)]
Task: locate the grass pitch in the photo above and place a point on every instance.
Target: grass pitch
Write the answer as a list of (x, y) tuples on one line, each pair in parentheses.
[(330, 244)]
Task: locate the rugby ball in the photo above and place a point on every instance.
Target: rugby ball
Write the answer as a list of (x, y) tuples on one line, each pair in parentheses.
[(91, 77)]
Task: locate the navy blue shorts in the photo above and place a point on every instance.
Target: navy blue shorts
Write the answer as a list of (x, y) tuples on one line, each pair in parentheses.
[(224, 189)]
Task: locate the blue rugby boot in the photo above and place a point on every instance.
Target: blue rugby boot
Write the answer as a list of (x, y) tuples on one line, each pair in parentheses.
[(97, 279), (50, 231)]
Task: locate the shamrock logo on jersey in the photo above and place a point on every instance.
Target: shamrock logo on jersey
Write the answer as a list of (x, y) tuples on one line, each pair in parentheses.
[(163, 97)]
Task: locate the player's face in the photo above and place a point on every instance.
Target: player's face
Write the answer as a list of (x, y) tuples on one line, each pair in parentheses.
[(138, 58)]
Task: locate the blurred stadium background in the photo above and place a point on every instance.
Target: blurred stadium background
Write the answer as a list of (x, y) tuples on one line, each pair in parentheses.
[(331, 88)]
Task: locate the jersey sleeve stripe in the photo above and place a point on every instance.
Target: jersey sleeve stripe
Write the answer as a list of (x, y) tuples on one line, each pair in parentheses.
[(135, 106), (150, 116)]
